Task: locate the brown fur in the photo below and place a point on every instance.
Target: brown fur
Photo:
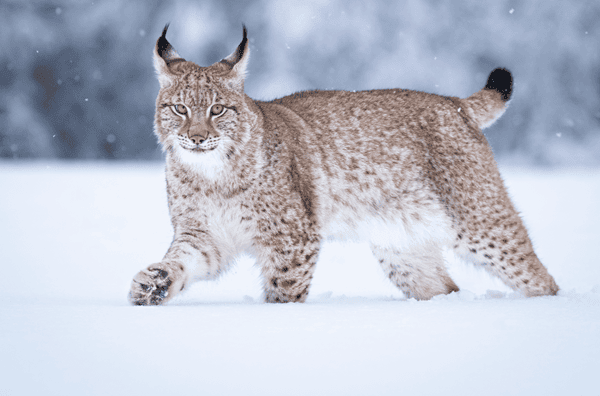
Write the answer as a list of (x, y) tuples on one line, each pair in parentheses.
[(411, 169)]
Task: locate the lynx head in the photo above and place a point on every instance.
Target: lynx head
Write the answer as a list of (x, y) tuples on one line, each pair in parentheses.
[(202, 114)]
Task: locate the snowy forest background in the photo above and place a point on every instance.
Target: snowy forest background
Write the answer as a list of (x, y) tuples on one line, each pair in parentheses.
[(77, 82)]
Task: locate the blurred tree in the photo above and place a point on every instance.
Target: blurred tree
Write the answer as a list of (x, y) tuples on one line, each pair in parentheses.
[(76, 78)]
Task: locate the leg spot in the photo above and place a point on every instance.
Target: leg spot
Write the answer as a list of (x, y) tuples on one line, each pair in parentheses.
[(274, 282), (288, 283), (284, 269)]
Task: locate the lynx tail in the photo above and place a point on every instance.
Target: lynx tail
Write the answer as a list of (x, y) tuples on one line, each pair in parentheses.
[(486, 106)]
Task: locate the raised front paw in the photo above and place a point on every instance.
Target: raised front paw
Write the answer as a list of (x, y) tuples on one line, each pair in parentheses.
[(154, 286)]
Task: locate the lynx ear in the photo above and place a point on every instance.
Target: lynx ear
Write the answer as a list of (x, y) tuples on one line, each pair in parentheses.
[(164, 56), (238, 61)]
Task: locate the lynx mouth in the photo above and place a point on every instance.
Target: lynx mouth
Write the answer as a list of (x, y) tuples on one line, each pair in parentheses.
[(199, 148), (208, 145)]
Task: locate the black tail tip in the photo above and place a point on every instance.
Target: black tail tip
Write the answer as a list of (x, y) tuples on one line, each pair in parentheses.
[(501, 81)]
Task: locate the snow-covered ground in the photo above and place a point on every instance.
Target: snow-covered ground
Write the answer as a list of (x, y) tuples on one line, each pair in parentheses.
[(73, 235)]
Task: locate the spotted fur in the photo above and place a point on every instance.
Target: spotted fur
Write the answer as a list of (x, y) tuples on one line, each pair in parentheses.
[(408, 171)]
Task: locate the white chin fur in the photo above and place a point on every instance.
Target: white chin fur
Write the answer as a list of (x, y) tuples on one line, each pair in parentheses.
[(208, 163)]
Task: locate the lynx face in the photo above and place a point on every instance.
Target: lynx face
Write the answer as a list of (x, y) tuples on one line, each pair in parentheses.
[(202, 116)]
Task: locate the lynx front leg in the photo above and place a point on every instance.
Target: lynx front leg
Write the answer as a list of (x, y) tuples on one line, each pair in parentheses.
[(419, 271), (287, 279), (157, 284), (190, 257), (287, 268)]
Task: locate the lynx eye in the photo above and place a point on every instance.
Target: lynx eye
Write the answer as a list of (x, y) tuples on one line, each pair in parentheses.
[(181, 109), (217, 109)]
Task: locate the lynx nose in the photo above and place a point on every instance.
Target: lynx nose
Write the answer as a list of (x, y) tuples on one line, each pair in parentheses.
[(197, 139)]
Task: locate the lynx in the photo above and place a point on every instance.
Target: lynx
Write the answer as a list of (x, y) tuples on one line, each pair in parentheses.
[(407, 171)]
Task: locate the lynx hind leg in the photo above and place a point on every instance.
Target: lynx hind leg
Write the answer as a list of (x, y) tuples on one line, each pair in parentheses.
[(419, 272), (504, 249)]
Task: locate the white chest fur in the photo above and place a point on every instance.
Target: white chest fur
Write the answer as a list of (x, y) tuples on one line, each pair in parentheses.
[(230, 233)]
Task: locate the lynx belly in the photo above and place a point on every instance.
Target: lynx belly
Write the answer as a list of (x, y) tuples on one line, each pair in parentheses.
[(399, 231)]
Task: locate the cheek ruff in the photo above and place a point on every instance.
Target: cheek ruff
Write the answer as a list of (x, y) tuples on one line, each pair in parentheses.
[(209, 144)]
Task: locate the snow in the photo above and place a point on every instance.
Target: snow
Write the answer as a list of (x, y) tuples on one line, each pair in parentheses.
[(72, 235)]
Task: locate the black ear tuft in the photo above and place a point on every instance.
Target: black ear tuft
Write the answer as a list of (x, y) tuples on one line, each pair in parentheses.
[(162, 45), (500, 80), (242, 45), (165, 50), (238, 54)]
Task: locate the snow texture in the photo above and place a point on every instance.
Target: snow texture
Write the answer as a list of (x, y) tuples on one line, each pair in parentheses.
[(73, 235)]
